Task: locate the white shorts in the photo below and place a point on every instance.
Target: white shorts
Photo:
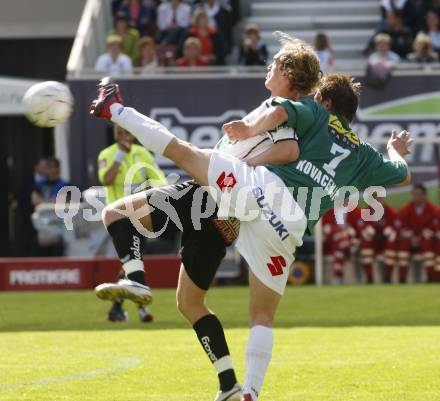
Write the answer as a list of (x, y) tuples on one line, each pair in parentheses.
[(272, 224)]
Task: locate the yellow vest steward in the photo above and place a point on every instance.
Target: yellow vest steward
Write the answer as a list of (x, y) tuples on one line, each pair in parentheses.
[(147, 169)]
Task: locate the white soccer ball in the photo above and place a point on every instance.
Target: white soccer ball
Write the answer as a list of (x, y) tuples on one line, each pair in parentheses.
[(47, 104)]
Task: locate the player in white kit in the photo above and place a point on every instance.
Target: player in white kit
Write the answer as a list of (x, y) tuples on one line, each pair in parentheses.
[(203, 247)]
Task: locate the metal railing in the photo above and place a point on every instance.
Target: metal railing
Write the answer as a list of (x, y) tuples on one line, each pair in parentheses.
[(90, 36), (83, 72)]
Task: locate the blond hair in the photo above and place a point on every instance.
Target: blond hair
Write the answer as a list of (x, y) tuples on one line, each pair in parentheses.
[(300, 62), (382, 38), (113, 39), (422, 41), (146, 41), (192, 41), (198, 12)]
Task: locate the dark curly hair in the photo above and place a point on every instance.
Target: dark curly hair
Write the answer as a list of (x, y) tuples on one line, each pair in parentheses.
[(343, 92)]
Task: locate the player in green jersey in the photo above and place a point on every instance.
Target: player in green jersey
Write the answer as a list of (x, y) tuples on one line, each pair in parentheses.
[(322, 134), (268, 237)]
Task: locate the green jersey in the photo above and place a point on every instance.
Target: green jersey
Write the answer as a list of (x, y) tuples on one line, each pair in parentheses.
[(331, 156)]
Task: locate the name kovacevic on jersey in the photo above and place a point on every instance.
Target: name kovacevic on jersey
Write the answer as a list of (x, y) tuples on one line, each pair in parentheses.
[(345, 137)]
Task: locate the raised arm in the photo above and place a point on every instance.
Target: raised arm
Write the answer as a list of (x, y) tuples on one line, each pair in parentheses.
[(398, 147), (282, 152), (273, 117)]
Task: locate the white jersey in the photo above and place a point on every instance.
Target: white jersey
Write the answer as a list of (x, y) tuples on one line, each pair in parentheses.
[(251, 147)]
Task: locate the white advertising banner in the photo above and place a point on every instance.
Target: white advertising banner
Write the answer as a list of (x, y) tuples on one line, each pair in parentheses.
[(11, 94)]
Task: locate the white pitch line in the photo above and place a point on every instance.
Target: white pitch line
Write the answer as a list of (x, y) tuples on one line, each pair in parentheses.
[(123, 363)]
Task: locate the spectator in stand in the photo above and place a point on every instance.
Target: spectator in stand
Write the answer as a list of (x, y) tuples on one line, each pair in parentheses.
[(173, 18), (46, 191), (142, 16), (40, 172), (129, 36), (381, 63), (401, 36), (432, 28), (434, 5), (383, 60), (212, 9), (212, 45), (148, 60), (116, 4), (29, 244), (412, 12), (192, 55), (417, 236), (252, 50), (423, 52), (114, 62), (220, 18), (324, 50)]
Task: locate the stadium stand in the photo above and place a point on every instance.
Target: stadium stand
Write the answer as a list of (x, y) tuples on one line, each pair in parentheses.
[(347, 23), (350, 27)]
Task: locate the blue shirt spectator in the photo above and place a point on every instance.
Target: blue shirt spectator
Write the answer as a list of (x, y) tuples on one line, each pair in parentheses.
[(46, 190)]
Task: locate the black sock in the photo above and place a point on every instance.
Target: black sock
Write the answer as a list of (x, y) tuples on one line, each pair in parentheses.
[(210, 333), (138, 276), (128, 244)]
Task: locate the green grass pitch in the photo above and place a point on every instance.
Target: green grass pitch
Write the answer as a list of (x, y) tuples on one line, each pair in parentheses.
[(377, 343)]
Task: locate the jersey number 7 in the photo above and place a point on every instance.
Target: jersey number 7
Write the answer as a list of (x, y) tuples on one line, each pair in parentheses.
[(341, 154)]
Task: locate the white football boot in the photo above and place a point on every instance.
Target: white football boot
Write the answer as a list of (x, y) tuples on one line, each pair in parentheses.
[(125, 289), (234, 394)]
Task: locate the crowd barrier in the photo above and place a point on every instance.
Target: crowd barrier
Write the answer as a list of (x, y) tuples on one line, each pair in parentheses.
[(30, 274)]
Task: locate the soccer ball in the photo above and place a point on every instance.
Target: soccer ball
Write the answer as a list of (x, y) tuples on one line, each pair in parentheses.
[(47, 104)]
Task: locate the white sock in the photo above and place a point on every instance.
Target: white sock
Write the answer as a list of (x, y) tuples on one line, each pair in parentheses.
[(258, 356), (153, 135), (132, 266)]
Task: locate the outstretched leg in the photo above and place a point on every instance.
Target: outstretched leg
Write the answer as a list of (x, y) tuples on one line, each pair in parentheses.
[(157, 138), (151, 134)]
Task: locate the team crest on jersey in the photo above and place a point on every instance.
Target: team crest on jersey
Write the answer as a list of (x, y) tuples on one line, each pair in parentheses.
[(345, 135)]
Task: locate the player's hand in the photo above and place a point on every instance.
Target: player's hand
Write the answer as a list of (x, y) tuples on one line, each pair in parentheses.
[(400, 142), (237, 130)]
